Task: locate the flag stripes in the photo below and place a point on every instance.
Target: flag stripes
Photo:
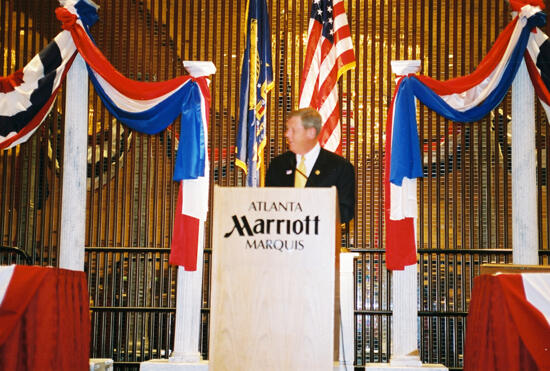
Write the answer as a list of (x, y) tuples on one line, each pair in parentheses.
[(329, 53)]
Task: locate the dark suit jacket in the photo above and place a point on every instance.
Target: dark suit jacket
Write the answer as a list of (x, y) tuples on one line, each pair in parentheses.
[(329, 170)]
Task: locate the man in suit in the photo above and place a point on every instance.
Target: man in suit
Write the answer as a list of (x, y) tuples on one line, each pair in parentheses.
[(309, 165)]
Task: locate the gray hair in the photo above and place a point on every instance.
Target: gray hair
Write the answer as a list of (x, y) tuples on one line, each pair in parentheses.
[(310, 117)]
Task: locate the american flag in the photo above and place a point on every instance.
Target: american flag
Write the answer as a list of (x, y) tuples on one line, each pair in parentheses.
[(329, 54)]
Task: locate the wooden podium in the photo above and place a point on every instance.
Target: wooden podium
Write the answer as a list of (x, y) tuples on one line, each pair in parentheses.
[(273, 279)]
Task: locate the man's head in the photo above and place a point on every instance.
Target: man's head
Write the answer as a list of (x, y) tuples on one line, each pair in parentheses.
[(302, 129)]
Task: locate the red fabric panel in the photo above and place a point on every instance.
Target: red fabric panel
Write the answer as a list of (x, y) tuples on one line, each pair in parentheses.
[(45, 320), (400, 244), (493, 340), (185, 239)]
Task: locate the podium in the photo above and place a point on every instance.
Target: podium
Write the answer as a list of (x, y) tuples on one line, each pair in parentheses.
[(273, 278)]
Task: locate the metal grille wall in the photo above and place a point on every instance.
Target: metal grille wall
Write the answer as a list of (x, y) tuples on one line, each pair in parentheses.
[(465, 196), (29, 174)]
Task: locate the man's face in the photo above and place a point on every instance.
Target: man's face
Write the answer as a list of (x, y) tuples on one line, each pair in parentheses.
[(300, 140)]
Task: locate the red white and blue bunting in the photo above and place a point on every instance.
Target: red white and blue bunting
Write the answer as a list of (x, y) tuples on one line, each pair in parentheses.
[(463, 99), (27, 96)]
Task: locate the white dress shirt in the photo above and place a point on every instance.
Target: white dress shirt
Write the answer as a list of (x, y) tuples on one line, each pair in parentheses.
[(310, 158)]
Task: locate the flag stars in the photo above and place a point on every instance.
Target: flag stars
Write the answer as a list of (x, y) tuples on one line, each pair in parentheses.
[(322, 12)]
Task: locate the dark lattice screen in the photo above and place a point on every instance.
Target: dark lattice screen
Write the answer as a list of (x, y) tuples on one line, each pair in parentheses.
[(465, 197)]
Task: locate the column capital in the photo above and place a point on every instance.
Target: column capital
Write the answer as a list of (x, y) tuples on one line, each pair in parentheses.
[(199, 68), (405, 67)]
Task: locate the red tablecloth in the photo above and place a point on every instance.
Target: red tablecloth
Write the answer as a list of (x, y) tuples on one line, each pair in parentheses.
[(504, 330), (45, 320)]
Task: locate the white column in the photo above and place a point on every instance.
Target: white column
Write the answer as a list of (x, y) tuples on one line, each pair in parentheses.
[(189, 289), (75, 152), (524, 185), (404, 350), (188, 310), (186, 355), (73, 202), (404, 293)]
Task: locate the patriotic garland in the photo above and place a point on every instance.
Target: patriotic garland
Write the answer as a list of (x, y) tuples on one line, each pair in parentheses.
[(463, 99), (27, 96)]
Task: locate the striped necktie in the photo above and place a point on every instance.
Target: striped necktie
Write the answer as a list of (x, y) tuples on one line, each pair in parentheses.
[(300, 177)]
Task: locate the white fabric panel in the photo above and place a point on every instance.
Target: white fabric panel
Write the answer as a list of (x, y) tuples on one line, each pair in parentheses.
[(537, 291), (6, 272), (195, 191), (194, 194), (404, 203)]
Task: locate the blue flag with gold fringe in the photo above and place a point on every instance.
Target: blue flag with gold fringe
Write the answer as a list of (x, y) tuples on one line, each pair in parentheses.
[(256, 82)]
